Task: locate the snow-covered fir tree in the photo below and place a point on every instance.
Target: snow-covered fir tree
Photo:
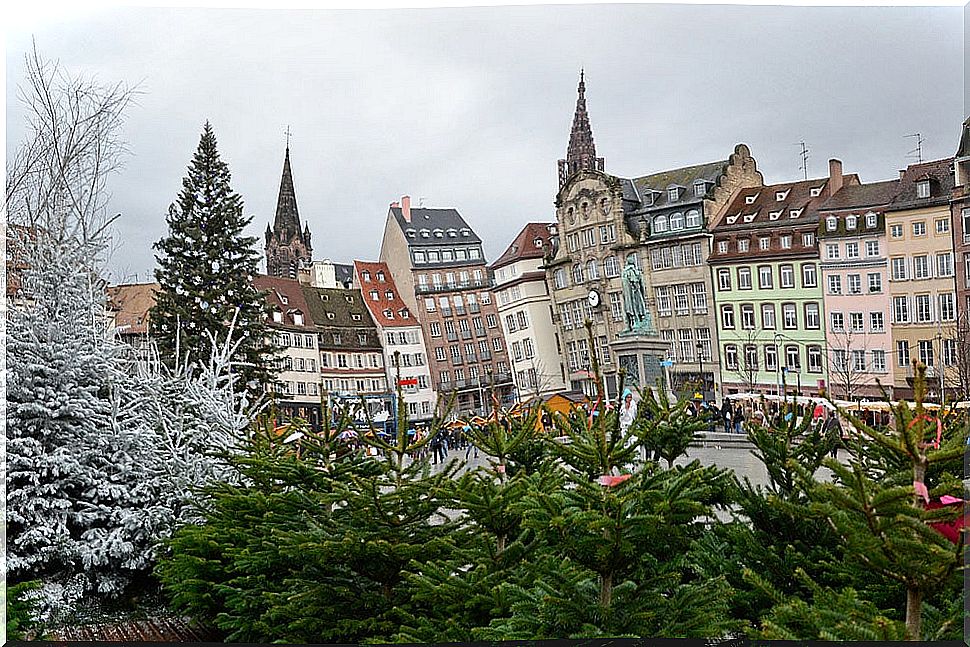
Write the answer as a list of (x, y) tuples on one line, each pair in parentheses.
[(205, 271)]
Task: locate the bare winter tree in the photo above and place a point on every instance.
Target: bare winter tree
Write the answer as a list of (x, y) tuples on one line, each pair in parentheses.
[(748, 365), (960, 333), (847, 375)]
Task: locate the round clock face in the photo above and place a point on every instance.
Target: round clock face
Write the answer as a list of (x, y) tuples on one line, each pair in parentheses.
[(594, 298)]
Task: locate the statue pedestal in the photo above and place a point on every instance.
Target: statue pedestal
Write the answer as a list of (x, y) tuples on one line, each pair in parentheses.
[(640, 354)]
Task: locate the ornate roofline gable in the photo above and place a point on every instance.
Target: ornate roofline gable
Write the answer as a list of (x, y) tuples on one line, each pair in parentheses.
[(741, 171)]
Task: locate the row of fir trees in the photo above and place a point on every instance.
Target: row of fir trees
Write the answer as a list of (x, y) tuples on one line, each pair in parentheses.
[(567, 534)]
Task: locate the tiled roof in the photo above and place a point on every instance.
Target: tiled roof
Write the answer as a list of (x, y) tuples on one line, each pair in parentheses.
[(370, 284), (940, 174), (875, 194), (757, 207), (524, 245), (435, 219), (339, 308), (285, 295), (130, 304)]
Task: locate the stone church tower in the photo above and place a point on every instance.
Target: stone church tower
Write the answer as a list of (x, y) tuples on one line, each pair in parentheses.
[(287, 246), (582, 151)]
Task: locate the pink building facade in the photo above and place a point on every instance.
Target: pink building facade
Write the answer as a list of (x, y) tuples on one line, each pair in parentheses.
[(855, 283)]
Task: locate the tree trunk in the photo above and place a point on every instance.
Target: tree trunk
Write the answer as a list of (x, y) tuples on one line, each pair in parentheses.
[(606, 589), (914, 613), (500, 545)]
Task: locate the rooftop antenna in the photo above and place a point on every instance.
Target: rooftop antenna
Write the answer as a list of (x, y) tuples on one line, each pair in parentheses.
[(420, 202), (804, 156), (918, 151), (287, 133)]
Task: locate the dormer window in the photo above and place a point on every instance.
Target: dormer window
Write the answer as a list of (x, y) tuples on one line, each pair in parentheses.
[(700, 188), (871, 220), (649, 198), (795, 213), (375, 295), (410, 233), (537, 243), (751, 198), (732, 219), (781, 196), (282, 297), (329, 315), (439, 233), (466, 232), (277, 316), (380, 276), (389, 295), (923, 189), (404, 313), (349, 298), (815, 191), (851, 222), (365, 275), (297, 318), (774, 215), (750, 217), (452, 233), (425, 233), (831, 223), (355, 317), (673, 194), (388, 314)]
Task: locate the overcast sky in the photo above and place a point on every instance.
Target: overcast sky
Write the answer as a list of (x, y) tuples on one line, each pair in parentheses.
[(471, 107)]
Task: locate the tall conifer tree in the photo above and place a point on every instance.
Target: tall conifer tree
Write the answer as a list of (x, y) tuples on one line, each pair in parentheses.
[(205, 269)]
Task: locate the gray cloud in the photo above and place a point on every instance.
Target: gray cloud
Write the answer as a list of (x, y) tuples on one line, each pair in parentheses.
[(471, 107)]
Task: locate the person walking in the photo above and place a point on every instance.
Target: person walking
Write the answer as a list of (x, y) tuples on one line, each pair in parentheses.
[(738, 419), (726, 416)]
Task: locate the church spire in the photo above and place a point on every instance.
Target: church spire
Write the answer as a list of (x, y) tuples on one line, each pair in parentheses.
[(581, 153), (287, 245)]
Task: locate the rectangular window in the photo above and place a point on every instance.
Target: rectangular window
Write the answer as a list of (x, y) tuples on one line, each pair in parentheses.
[(768, 316), (877, 322), (809, 276), (704, 338), (919, 228), (854, 283), (831, 251), (947, 306), (872, 248), (944, 264), (747, 316), (896, 231), (616, 306), (686, 336), (875, 282), (900, 309), (838, 321), (724, 279), (835, 284), (852, 250), (942, 225), (921, 267), (790, 316), (813, 317), (878, 361), (699, 297), (727, 317), (926, 351), (857, 322), (949, 352), (785, 242), (898, 265), (808, 240), (902, 353), (858, 360), (681, 300), (764, 243), (924, 309), (765, 277), (793, 357), (731, 357), (815, 359), (771, 358), (787, 276), (744, 278), (664, 306)]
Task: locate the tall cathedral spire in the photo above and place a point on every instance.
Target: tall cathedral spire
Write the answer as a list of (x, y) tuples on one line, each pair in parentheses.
[(581, 153), (287, 245)]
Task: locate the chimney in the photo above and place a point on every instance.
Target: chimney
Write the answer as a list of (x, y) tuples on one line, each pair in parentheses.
[(406, 207), (835, 176)]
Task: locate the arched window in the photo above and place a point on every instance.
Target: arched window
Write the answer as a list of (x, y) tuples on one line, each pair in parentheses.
[(676, 221), (578, 273), (660, 224), (611, 267), (693, 218), (592, 270), (559, 278)]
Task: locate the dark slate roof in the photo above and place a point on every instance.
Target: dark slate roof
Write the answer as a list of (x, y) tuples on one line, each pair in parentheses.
[(344, 273), (524, 246), (875, 194), (431, 219), (940, 174), (964, 149), (683, 177)]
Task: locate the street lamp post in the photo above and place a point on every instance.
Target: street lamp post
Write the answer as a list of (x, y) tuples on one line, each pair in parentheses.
[(700, 359), (778, 363)]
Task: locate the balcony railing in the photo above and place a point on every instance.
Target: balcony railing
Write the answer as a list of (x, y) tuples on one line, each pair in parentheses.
[(451, 287)]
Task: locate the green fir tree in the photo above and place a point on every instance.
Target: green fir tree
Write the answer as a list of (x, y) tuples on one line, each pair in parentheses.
[(205, 271)]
